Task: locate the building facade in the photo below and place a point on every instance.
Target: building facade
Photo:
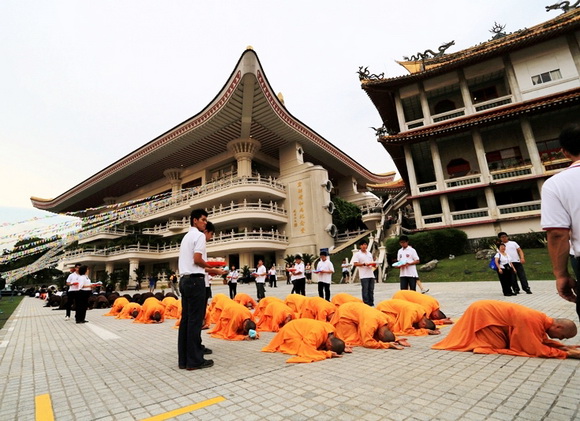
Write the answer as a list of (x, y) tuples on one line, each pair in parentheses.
[(474, 133), (265, 178)]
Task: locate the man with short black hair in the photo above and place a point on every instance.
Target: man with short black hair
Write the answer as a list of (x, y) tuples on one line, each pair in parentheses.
[(324, 269), (365, 263), (407, 254), (298, 276), (516, 255), (73, 288)]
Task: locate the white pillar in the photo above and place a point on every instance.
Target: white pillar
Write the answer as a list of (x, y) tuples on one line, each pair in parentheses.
[(173, 175), (439, 176), (411, 170), (244, 150), (480, 153), (538, 167), (133, 264)]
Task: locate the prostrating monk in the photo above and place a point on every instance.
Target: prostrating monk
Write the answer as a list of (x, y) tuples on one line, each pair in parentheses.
[(153, 311), (259, 309), (234, 324), (342, 297), (216, 306), (409, 318), (173, 310), (296, 302), (276, 315), (430, 304), (497, 327), (130, 311), (310, 340), (117, 306), (245, 300), (318, 308), (168, 300), (359, 324)]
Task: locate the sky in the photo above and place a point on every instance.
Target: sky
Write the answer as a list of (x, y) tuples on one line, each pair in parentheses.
[(83, 83)]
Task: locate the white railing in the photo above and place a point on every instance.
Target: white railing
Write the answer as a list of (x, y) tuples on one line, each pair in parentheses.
[(492, 103), (467, 180), (448, 115), (347, 235), (470, 214), (272, 236), (511, 172), (415, 123), (532, 206), (427, 187)]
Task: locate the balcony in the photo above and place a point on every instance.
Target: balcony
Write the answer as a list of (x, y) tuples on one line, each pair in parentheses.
[(343, 237), (371, 212), (425, 187), (110, 233), (512, 172), (433, 220), (467, 180), (415, 124), (521, 209), (554, 165), (496, 102), (448, 115), (470, 215)]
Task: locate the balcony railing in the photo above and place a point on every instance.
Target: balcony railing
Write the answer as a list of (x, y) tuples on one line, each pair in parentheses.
[(496, 102), (448, 115), (348, 235), (470, 214), (463, 181), (433, 219), (556, 164), (533, 206), (259, 206), (415, 123), (518, 171), (271, 236), (427, 187)]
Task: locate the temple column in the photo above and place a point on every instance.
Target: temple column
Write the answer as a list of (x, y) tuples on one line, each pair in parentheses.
[(411, 170), (534, 154), (133, 265), (439, 176), (244, 150), (109, 267), (512, 79), (480, 154), (465, 94), (173, 175)]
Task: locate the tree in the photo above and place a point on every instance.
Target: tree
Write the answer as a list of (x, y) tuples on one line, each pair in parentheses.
[(346, 215)]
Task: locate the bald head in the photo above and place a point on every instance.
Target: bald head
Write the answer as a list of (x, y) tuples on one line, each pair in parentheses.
[(562, 329), (135, 313), (425, 323), (336, 345), (247, 325), (384, 334), (437, 315), (156, 316)]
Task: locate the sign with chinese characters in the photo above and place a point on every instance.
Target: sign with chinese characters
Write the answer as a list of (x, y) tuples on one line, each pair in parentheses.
[(299, 192)]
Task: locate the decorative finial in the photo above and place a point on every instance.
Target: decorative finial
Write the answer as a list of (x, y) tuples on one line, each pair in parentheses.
[(427, 54), (497, 30), (564, 5)]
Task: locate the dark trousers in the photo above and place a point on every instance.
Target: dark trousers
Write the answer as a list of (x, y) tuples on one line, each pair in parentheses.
[(261, 290), (520, 274), (272, 281), (233, 289), (299, 286), (81, 304), (70, 299), (324, 290), (408, 282), (506, 280), (368, 291), (193, 297)]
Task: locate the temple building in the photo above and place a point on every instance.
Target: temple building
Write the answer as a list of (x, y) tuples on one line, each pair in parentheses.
[(474, 133), (265, 178)]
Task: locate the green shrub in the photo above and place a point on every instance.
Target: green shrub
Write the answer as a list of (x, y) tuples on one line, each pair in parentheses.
[(436, 244)]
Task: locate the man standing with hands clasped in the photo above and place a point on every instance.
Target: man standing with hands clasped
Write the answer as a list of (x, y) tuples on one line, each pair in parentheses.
[(365, 263), (192, 265), (324, 269), (408, 276)]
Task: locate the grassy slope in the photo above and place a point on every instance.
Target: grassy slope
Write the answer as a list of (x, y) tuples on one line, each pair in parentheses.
[(8, 305)]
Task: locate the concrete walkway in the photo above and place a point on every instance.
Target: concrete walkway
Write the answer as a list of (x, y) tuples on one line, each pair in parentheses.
[(112, 369)]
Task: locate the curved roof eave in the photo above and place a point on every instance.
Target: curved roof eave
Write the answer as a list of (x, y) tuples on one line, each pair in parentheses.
[(186, 131)]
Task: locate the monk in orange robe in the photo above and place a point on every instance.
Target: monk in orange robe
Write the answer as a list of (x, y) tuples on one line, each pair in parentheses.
[(296, 302), (117, 306), (234, 324), (498, 327), (359, 324), (245, 300), (318, 308), (215, 308), (130, 311), (259, 309), (153, 311), (168, 300), (430, 304), (342, 297), (309, 340), (276, 315), (173, 310), (409, 318)]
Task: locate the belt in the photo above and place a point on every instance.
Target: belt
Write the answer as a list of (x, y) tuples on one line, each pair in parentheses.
[(194, 275)]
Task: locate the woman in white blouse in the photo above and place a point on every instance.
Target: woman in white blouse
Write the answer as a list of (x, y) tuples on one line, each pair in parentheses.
[(505, 270)]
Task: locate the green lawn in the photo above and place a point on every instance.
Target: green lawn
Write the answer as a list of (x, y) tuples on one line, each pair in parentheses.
[(7, 307), (467, 269)]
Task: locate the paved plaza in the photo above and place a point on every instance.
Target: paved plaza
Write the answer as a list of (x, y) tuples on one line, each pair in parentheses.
[(112, 369)]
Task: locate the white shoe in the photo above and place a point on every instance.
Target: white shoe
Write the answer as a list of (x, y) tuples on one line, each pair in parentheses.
[(66, 318)]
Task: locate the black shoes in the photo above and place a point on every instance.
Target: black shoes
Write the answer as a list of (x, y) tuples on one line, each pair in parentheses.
[(205, 364), (83, 321), (207, 351), (509, 294), (528, 291)]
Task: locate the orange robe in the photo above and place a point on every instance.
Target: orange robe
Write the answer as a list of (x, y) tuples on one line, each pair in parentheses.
[(168, 300), (274, 315), (173, 310), (497, 327), (259, 309), (117, 306), (230, 322), (342, 297), (128, 309), (302, 337), (356, 324), (318, 309), (404, 314), (429, 303), (245, 300), (296, 302), (216, 305), (149, 309)]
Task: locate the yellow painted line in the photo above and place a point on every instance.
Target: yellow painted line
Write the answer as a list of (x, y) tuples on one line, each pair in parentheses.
[(185, 409), (43, 411)]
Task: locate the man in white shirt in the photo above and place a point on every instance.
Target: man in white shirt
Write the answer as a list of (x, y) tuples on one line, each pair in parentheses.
[(192, 264), (73, 288), (363, 260), (324, 269), (561, 215), (260, 276), (298, 278), (233, 281), (408, 275), (516, 254)]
